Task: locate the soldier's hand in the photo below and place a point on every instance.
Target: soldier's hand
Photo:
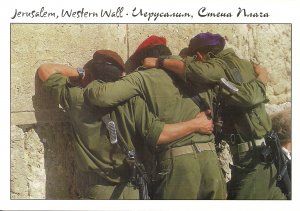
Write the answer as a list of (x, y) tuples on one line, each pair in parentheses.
[(204, 123), (261, 73), (149, 62), (208, 113)]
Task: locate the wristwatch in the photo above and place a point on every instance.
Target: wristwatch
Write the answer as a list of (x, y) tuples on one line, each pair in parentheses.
[(160, 62), (81, 72)]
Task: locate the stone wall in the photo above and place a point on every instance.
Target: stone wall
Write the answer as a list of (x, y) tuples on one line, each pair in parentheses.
[(42, 165)]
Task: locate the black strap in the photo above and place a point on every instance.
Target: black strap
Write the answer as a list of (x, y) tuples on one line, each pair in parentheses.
[(235, 72), (273, 142), (137, 173), (200, 102)]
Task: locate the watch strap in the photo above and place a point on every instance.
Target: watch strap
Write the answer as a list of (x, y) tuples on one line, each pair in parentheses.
[(81, 72)]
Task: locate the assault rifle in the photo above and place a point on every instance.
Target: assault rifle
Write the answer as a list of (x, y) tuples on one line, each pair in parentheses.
[(217, 106), (138, 177)]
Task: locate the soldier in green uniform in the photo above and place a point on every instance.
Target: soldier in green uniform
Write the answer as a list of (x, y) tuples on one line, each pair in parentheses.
[(245, 121), (187, 168), (105, 163)]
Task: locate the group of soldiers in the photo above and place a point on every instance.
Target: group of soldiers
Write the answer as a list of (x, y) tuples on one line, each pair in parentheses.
[(158, 132)]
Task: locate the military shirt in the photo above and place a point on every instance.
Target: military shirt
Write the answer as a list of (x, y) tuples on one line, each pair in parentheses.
[(159, 89), (94, 152), (251, 92)]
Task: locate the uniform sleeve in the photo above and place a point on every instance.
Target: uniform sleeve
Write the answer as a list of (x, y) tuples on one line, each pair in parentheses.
[(147, 125), (203, 72), (113, 93), (56, 87), (249, 94)]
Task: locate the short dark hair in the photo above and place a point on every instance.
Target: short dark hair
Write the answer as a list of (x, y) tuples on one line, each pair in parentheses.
[(282, 124), (154, 51), (105, 71)]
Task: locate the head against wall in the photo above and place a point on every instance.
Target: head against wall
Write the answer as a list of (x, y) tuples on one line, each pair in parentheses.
[(106, 65), (153, 46), (205, 43)]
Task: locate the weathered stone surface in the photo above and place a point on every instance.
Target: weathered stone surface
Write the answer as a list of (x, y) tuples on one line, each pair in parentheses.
[(72, 44), (273, 108), (42, 164)]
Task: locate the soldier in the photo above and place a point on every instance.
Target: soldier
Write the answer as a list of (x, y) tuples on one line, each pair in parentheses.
[(282, 125), (95, 154), (245, 121), (187, 168)]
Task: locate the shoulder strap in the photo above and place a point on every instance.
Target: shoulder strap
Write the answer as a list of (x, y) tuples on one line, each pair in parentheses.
[(114, 135), (234, 71), (138, 176), (202, 104)]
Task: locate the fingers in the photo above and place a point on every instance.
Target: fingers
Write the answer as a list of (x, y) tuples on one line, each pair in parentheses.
[(149, 62)]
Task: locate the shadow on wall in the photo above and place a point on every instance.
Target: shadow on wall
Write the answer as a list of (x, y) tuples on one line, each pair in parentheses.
[(55, 133)]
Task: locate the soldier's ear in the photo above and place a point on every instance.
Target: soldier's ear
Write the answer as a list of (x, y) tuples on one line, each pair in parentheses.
[(200, 57)]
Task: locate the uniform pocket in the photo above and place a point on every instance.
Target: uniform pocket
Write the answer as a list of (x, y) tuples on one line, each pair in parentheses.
[(163, 169)]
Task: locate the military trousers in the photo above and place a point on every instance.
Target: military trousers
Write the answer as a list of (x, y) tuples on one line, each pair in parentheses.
[(194, 175), (252, 178), (105, 191)]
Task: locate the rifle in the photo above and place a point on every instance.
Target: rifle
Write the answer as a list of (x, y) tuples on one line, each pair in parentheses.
[(273, 153), (217, 106), (138, 177)]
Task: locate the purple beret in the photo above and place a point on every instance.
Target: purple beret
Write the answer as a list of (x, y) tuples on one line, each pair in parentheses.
[(207, 39)]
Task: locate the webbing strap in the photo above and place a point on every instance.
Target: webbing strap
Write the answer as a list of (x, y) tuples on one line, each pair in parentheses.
[(235, 72)]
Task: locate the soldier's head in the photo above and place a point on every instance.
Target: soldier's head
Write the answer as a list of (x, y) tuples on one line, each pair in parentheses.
[(153, 46), (282, 124), (106, 65), (206, 43)]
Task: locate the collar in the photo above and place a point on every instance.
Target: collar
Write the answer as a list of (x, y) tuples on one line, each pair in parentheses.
[(225, 52)]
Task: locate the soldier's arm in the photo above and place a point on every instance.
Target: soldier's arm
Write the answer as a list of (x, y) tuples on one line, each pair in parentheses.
[(190, 68), (113, 93), (55, 78), (46, 70), (250, 93), (171, 132), (156, 132), (174, 65)]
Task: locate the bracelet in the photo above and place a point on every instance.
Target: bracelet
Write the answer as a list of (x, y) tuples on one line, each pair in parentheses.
[(81, 72), (160, 62)]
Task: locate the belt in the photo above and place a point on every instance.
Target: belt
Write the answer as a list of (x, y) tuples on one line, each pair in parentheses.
[(188, 149), (246, 146)]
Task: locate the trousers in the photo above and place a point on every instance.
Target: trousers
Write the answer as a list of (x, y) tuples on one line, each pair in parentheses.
[(195, 175), (119, 191), (253, 178)]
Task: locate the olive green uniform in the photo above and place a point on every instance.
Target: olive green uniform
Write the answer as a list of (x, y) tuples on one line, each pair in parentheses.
[(95, 155), (186, 168), (251, 177)]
